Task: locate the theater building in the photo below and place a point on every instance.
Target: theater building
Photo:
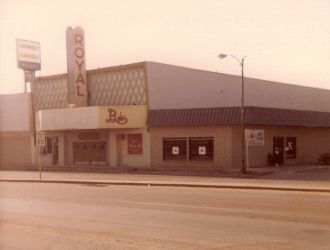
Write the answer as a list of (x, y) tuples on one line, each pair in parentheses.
[(110, 130), (153, 115)]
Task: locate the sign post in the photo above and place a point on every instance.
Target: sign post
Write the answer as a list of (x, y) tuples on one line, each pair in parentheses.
[(41, 143)]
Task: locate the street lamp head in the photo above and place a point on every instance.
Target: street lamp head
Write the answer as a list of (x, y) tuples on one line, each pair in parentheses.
[(222, 56)]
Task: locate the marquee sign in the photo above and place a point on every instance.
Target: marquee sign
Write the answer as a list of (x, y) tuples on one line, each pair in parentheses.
[(77, 80), (92, 117)]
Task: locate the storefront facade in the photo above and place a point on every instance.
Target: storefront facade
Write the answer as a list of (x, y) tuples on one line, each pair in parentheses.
[(212, 137), (141, 115), (110, 130), (152, 115)]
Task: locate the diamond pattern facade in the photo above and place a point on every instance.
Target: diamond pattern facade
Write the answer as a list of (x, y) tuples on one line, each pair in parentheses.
[(119, 86), (123, 85), (50, 92)]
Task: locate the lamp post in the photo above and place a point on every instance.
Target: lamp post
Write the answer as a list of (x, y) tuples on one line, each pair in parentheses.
[(241, 63)]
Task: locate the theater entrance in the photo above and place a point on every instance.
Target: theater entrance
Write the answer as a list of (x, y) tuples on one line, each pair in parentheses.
[(89, 152)]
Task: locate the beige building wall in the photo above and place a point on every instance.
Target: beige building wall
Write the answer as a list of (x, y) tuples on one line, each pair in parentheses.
[(311, 142), (16, 131), (15, 113), (15, 149), (222, 145), (174, 87)]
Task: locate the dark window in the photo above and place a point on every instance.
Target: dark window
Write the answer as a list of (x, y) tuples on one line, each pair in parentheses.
[(175, 149), (201, 149), (49, 145), (290, 147)]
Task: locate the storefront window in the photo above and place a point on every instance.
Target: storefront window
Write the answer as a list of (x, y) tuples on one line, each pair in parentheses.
[(201, 149), (290, 147), (175, 149)]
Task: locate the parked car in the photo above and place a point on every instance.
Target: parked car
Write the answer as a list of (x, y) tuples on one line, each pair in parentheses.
[(324, 158)]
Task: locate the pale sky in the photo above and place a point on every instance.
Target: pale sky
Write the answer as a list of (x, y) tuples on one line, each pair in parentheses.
[(283, 40)]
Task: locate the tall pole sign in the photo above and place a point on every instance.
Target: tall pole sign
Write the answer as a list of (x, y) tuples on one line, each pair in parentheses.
[(28, 58), (77, 80)]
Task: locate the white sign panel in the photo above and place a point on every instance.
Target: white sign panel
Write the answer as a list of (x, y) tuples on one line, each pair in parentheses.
[(255, 137), (28, 55), (202, 150), (175, 150), (41, 140)]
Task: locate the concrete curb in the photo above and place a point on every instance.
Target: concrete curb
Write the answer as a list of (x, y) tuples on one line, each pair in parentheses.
[(189, 185)]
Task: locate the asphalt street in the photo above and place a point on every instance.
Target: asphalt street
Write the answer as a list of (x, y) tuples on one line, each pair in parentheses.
[(65, 216)]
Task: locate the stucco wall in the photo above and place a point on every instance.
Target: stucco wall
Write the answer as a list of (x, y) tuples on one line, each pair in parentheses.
[(16, 136), (311, 142), (178, 87), (16, 149), (15, 112)]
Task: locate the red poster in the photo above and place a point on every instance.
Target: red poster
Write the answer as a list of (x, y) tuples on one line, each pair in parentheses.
[(134, 144)]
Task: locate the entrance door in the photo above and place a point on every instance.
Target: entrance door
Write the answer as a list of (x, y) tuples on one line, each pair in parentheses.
[(278, 150), (98, 152), (89, 152)]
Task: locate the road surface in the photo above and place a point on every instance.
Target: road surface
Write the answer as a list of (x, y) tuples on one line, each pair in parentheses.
[(66, 216)]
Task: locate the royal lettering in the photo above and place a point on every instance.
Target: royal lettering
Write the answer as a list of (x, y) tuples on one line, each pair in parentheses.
[(80, 79), (78, 40), (80, 64), (78, 82), (79, 52)]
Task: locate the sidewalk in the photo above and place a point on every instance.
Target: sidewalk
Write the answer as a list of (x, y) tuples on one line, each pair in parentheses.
[(165, 180)]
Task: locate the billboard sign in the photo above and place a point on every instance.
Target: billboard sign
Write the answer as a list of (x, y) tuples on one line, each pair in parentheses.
[(28, 55), (255, 137)]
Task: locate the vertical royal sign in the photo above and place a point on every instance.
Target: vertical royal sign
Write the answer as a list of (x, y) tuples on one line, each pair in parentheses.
[(76, 65)]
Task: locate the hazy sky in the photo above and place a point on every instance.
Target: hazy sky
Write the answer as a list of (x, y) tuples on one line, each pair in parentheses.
[(283, 40)]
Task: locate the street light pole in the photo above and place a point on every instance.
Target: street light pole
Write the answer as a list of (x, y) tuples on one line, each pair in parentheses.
[(242, 113)]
